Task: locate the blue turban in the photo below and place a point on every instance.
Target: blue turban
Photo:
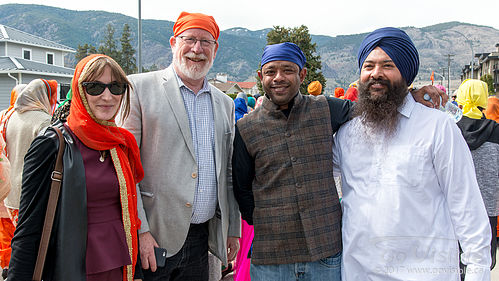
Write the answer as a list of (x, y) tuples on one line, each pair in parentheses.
[(397, 45), (284, 51), (240, 108)]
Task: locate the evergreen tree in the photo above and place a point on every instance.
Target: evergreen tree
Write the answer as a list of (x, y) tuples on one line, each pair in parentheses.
[(81, 52), (108, 45), (487, 78), (153, 67), (127, 59), (301, 37), (259, 84), (92, 49), (84, 51)]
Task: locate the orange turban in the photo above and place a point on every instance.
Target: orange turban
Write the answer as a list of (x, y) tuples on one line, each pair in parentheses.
[(195, 20), (314, 88), (338, 92), (492, 111)]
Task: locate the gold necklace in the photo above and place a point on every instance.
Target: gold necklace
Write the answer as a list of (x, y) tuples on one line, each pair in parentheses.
[(102, 155)]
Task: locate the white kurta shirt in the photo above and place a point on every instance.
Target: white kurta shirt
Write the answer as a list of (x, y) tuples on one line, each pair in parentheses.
[(408, 201)]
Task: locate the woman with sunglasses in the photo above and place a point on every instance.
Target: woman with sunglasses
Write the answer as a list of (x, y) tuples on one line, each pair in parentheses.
[(95, 228)]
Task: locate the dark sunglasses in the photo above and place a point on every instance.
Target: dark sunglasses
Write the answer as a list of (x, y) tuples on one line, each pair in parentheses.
[(96, 88)]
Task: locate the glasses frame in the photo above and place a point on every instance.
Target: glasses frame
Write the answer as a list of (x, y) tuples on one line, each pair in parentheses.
[(109, 85), (205, 43)]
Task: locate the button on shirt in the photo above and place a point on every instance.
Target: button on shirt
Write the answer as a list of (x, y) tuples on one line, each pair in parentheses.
[(200, 113), (408, 200)]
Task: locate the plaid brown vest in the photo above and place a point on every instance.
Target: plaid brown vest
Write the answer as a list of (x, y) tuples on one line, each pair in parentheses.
[(297, 215)]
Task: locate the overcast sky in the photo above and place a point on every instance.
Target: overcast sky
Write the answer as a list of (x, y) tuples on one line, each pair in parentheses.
[(322, 17)]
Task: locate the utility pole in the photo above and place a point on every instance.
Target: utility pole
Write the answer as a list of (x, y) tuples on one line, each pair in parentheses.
[(449, 58), (472, 51), (442, 77), (139, 51)]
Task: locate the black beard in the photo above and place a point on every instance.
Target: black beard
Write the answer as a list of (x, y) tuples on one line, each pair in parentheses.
[(380, 113)]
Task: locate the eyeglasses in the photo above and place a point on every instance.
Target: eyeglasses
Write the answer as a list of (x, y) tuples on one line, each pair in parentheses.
[(191, 41), (97, 88)]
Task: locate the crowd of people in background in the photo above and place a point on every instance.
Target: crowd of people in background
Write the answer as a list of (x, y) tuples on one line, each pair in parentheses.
[(165, 177)]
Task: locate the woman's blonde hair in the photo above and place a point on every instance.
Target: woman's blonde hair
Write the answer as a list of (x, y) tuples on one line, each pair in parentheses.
[(96, 69)]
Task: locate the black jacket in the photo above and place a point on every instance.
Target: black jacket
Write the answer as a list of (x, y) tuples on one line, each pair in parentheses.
[(67, 248), (478, 131)]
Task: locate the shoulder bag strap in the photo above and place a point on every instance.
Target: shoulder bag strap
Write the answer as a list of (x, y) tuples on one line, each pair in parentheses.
[(55, 189)]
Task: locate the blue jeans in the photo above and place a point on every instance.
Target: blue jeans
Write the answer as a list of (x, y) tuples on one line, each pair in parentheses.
[(327, 269)]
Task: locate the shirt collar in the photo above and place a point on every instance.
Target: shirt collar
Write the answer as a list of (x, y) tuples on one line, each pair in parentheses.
[(407, 107), (205, 89)]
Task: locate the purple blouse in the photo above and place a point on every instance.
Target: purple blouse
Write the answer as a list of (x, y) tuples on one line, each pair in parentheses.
[(106, 242)]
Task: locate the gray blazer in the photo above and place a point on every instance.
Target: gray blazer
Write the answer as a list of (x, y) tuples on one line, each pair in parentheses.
[(159, 122)]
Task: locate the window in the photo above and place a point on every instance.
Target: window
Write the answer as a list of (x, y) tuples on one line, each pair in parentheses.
[(63, 90), (27, 54), (50, 58)]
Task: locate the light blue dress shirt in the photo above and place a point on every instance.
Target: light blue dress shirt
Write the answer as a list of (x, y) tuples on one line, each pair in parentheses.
[(199, 109)]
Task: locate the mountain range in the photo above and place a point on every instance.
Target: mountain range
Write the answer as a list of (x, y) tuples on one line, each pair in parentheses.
[(241, 49)]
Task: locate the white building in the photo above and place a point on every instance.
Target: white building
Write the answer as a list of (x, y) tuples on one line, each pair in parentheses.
[(25, 57)]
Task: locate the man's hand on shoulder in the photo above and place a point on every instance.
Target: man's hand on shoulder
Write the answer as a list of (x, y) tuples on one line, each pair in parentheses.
[(434, 93), (147, 244)]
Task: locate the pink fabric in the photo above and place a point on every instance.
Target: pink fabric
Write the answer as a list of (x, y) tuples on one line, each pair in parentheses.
[(259, 101), (242, 267), (441, 87)]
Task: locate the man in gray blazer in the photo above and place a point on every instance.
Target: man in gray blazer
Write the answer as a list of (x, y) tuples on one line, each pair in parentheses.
[(185, 128)]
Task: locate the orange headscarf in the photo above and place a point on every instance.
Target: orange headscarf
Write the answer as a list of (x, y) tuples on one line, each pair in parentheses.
[(196, 20), (338, 92), (52, 93), (105, 135), (352, 94), (492, 111), (14, 94)]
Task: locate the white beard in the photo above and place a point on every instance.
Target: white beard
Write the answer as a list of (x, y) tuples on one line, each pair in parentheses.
[(194, 72)]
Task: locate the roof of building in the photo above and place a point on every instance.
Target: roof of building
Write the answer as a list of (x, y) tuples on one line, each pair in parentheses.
[(13, 35), (224, 87), (483, 55), (18, 65), (245, 85), (491, 56)]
